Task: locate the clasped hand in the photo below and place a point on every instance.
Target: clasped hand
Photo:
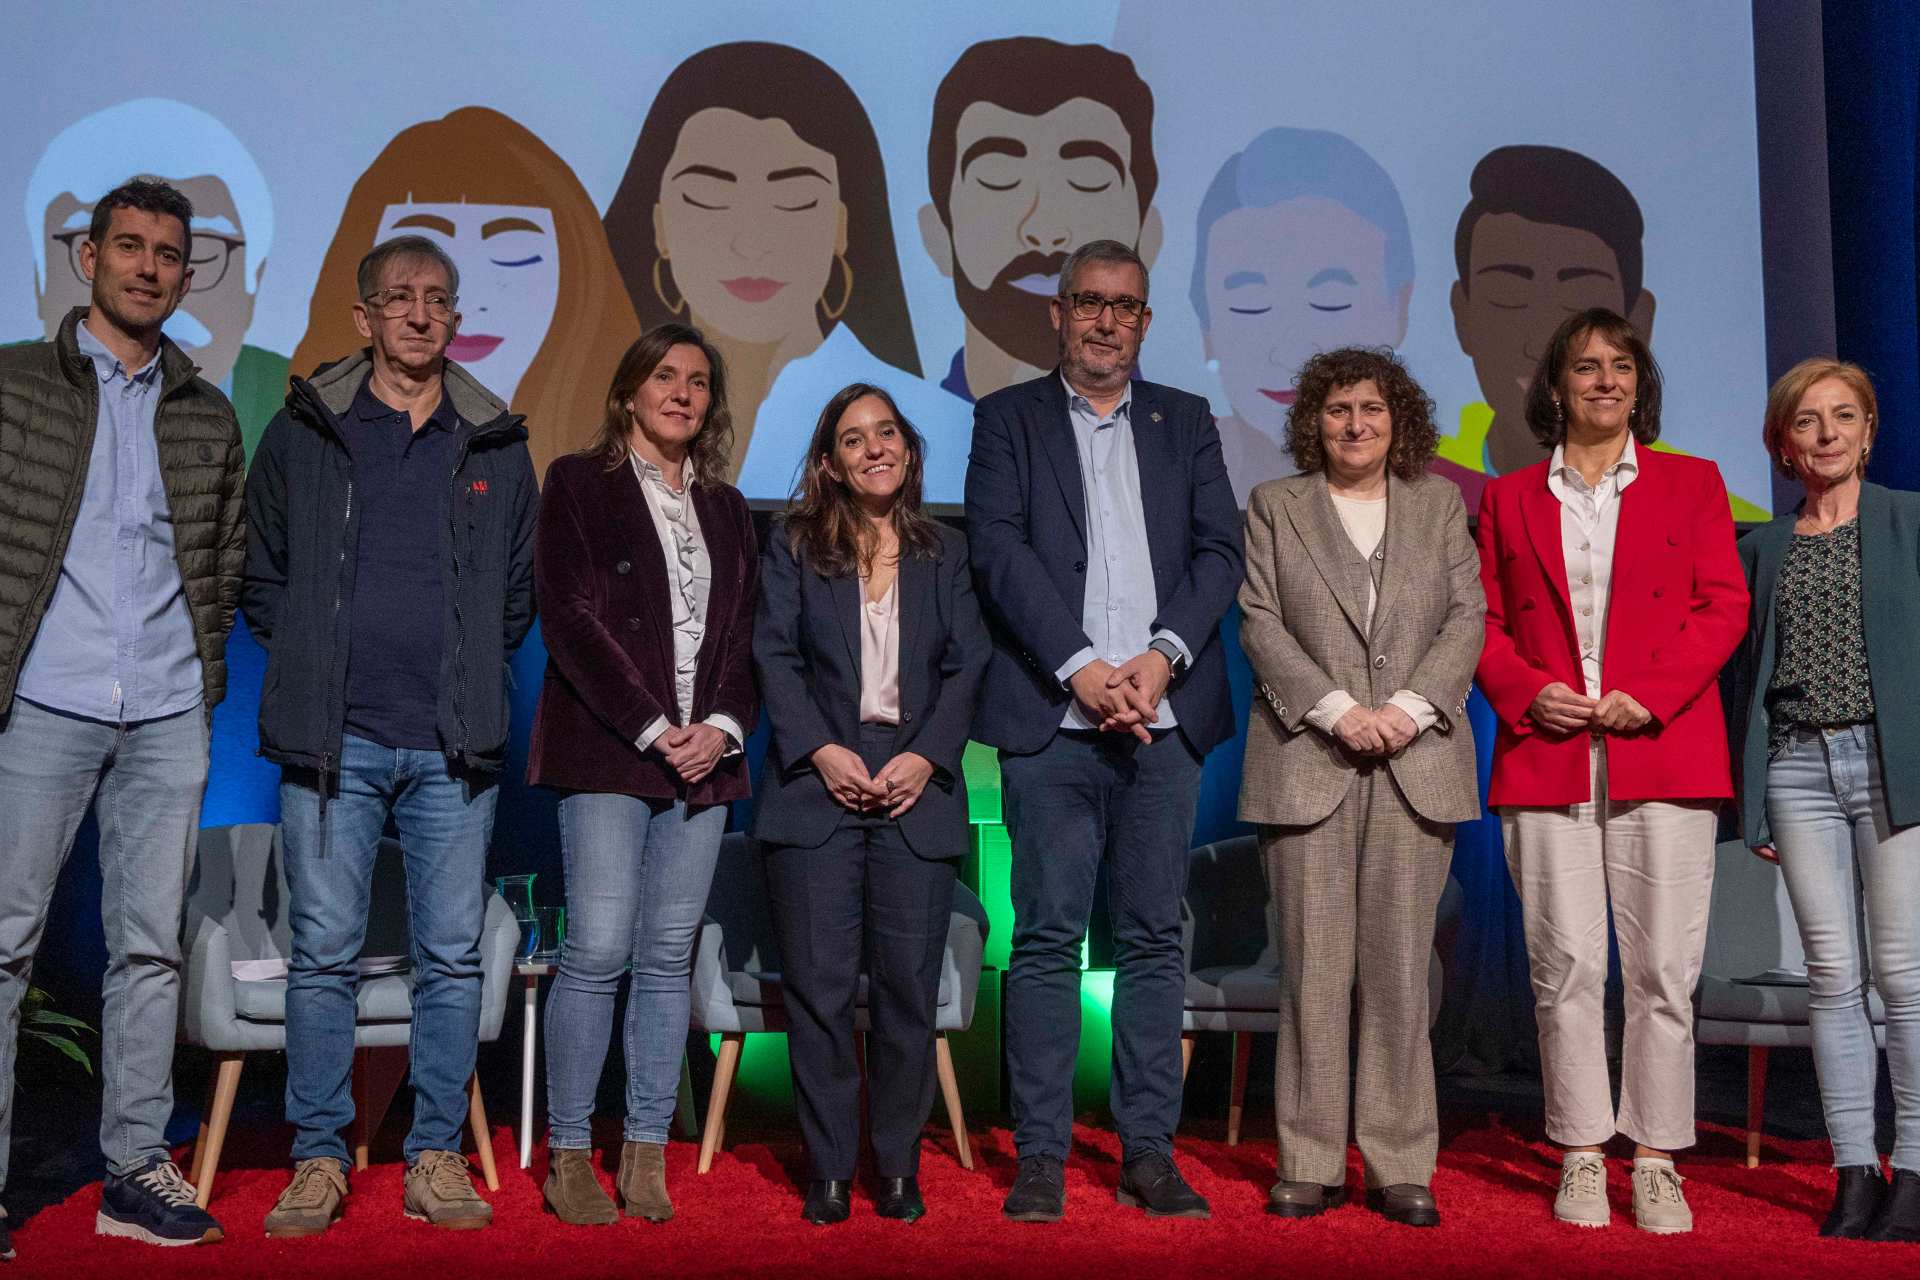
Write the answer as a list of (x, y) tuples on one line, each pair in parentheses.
[(896, 788), (1559, 708), (1126, 698), (1379, 731), (692, 750)]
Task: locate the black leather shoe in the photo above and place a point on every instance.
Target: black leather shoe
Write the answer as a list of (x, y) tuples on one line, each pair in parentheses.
[(1304, 1199), (1151, 1182), (1899, 1216), (899, 1198), (1406, 1203), (828, 1201), (1857, 1197), (1039, 1191)]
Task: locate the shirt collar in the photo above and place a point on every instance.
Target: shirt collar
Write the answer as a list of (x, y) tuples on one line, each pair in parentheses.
[(368, 407), (1077, 403), (1622, 472), (106, 365), (651, 471)]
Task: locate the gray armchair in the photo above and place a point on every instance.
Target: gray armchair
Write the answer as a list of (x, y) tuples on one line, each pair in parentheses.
[(1228, 929), (1753, 985), (237, 910), (736, 983)]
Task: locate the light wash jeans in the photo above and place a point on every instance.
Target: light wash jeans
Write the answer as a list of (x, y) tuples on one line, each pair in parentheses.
[(445, 823), (637, 879), (144, 782), (1854, 879)]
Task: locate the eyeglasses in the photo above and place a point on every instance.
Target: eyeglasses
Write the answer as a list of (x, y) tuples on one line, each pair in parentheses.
[(394, 303), (212, 256), (1127, 309)]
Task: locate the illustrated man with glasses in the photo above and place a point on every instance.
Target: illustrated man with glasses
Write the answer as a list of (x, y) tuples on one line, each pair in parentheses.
[(389, 573), (232, 235), (120, 554), (1106, 548)]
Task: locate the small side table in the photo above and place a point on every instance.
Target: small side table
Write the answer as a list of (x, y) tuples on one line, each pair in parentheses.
[(529, 972)]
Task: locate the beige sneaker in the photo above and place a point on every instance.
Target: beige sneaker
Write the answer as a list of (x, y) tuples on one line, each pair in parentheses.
[(1583, 1191), (440, 1191), (1659, 1205), (312, 1202)]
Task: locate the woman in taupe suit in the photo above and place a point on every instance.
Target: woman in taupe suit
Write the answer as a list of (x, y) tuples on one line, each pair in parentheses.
[(1363, 620)]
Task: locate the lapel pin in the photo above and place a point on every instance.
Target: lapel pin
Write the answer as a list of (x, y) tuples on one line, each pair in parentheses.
[(1155, 415)]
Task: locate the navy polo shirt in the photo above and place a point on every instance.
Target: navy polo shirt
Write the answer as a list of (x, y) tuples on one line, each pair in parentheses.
[(400, 479)]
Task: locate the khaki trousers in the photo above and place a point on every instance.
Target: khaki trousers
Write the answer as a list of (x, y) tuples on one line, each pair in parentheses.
[(1652, 861), (1356, 895)]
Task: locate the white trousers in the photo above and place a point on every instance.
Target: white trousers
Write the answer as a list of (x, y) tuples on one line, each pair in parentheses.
[(1653, 862)]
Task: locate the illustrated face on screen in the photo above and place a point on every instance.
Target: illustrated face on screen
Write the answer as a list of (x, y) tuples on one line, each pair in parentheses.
[(509, 266), (212, 320), (750, 220), (1284, 282), (1027, 191), (1524, 278)]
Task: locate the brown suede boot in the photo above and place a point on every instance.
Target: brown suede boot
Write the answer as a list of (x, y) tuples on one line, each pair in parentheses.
[(574, 1192), (643, 1181)]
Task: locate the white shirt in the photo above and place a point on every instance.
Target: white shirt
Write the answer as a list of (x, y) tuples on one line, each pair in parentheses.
[(1589, 522), (689, 580), (1365, 520)]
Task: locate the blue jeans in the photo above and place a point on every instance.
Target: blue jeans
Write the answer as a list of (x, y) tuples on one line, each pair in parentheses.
[(148, 779), (1082, 798), (1845, 863), (638, 872), (445, 822)]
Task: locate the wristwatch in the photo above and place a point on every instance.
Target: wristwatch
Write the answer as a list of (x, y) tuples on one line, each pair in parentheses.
[(1176, 661)]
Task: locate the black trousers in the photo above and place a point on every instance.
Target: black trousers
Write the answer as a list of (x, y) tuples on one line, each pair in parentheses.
[(861, 902)]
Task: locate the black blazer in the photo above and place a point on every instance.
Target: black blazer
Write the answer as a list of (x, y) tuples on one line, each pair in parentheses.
[(1026, 528), (806, 651)]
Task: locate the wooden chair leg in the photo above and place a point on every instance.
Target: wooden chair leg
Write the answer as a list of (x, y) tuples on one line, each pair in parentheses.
[(1237, 1089), (950, 1090), (727, 1062), (482, 1132), (206, 1114), (207, 1160), (1756, 1100), (1187, 1039)]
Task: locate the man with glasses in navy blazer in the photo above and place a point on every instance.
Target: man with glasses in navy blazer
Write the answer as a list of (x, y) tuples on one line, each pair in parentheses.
[(1106, 548)]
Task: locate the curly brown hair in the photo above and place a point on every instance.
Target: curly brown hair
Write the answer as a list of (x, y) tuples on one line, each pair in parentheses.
[(1415, 437)]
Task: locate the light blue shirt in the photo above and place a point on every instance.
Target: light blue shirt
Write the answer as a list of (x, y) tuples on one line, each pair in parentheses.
[(1121, 602), (116, 643)]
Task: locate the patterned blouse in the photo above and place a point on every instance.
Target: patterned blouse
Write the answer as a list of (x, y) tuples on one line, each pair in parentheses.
[(1820, 672)]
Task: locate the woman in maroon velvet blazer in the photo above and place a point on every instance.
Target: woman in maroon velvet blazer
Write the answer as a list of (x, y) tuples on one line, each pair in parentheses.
[(646, 566)]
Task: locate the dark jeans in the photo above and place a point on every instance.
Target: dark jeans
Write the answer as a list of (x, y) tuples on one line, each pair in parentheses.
[(861, 895), (1080, 798), (445, 823)]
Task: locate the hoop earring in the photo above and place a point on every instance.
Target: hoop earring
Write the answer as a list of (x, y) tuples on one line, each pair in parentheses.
[(846, 296), (660, 290)]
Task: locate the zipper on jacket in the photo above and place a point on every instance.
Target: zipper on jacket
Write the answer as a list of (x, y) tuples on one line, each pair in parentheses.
[(459, 620), (333, 622)]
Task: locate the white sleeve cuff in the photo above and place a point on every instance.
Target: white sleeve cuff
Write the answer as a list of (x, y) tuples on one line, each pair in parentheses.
[(729, 726), (1067, 669), (1418, 709), (1326, 713), (659, 726)]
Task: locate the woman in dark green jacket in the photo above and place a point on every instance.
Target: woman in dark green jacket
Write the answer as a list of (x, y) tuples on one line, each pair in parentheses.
[(1829, 767)]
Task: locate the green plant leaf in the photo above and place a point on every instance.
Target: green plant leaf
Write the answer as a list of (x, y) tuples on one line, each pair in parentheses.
[(65, 1046), (43, 1016)]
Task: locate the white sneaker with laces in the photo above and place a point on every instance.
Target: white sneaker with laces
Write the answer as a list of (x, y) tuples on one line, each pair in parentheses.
[(1659, 1205), (1583, 1191)]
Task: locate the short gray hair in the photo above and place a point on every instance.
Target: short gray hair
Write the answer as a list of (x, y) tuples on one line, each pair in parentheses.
[(415, 248), (1101, 251)]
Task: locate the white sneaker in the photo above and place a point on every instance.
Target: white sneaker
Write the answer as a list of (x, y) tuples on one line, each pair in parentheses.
[(1583, 1191), (1659, 1205)]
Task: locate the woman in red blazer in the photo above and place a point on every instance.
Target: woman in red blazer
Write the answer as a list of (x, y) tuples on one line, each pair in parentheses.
[(1614, 596), (646, 567)]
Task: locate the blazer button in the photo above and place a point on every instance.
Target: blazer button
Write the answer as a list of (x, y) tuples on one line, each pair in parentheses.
[(633, 624), (906, 717), (1379, 661), (1079, 566), (1658, 592), (625, 566)]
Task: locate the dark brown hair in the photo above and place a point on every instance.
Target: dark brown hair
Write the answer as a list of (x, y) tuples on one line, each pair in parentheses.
[(710, 456), (1560, 188), (148, 195), (1544, 415), (772, 82), (1415, 438), (1032, 76), (825, 527)]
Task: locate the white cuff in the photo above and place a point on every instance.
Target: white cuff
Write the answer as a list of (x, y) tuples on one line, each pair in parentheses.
[(1067, 669), (1326, 713), (659, 726), (1418, 710), (729, 726)]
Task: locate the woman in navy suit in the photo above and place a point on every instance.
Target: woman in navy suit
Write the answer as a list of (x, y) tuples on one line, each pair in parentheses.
[(869, 648)]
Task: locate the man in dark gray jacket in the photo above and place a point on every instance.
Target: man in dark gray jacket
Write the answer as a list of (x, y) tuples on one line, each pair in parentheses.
[(389, 574), (120, 551)]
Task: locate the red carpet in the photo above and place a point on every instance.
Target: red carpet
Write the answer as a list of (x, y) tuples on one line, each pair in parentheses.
[(1494, 1188)]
